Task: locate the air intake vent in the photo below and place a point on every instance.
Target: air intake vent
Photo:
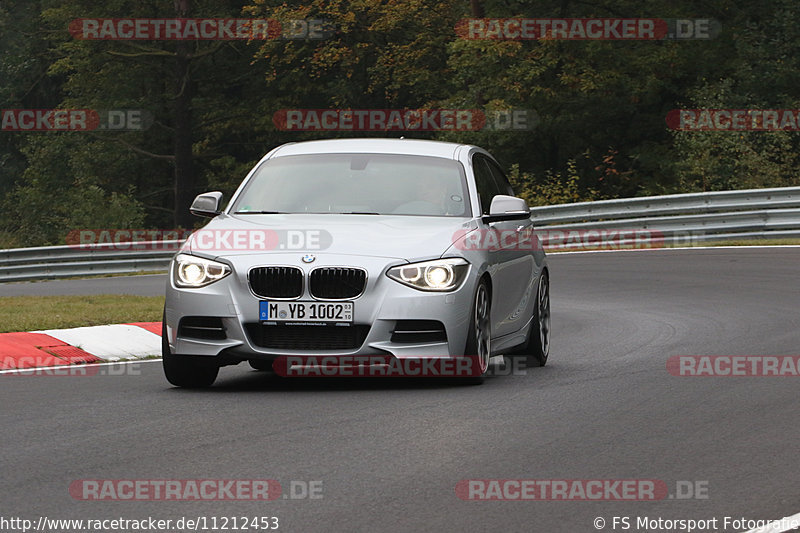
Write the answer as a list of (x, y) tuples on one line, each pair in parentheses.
[(201, 327), (276, 282), (286, 337), (337, 283), (413, 331)]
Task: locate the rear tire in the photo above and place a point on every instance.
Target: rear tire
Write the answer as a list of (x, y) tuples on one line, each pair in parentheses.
[(190, 371)]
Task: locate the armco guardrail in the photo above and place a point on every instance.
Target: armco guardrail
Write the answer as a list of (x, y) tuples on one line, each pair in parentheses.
[(22, 264), (677, 219), (672, 204)]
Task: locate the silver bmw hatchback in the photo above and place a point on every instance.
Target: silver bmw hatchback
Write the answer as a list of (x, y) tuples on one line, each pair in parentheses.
[(359, 253)]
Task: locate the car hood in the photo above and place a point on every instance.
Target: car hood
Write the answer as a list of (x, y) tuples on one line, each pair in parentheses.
[(392, 236)]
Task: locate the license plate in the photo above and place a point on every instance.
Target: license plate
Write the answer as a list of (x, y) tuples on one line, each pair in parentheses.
[(305, 311)]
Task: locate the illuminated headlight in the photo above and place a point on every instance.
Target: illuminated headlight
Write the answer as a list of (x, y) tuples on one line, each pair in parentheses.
[(189, 271), (439, 275)]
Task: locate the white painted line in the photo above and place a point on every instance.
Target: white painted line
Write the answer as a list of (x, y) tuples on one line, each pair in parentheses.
[(555, 252), (112, 343), (46, 369), (787, 523)]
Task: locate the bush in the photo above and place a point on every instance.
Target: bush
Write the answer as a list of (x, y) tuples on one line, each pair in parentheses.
[(552, 188)]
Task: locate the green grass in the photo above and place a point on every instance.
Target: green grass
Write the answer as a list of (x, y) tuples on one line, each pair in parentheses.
[(27, 313)]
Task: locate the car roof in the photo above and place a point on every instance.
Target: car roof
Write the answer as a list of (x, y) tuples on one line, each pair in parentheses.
[(370, 146)]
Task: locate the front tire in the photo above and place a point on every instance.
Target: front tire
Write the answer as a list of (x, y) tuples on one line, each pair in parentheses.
[(537, 347), (479, 336), (190, 371), (259, 364)]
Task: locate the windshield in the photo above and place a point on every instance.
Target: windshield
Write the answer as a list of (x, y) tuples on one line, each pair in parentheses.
[(380, 184)]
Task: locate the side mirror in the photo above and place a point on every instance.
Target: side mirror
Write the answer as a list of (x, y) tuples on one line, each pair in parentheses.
[(206, 204), (507, 208)]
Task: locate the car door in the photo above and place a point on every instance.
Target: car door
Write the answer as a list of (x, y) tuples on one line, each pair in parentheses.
[(514, 274), (511, 268)]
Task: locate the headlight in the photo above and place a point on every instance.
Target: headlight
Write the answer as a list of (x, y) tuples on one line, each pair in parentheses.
[(189, 271), (439, 275)]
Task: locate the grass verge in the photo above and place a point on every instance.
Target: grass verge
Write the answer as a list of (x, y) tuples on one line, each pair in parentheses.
[(27, 313)]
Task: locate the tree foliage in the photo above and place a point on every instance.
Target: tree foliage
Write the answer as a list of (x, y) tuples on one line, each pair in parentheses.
[(601, 105)]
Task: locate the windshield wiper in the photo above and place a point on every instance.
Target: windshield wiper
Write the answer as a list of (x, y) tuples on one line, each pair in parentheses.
[(356, 213), (259, 213)]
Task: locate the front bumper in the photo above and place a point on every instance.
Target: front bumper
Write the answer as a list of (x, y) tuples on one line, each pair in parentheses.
[(383, 303)]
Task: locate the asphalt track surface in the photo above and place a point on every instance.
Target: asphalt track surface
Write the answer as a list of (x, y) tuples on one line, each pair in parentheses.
[(390, 452), (144, 285)]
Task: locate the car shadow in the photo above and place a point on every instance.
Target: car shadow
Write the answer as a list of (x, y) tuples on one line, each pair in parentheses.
[(240, 378)]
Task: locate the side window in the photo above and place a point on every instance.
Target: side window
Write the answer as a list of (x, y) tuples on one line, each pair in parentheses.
[(500, 178), (485, 182)]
